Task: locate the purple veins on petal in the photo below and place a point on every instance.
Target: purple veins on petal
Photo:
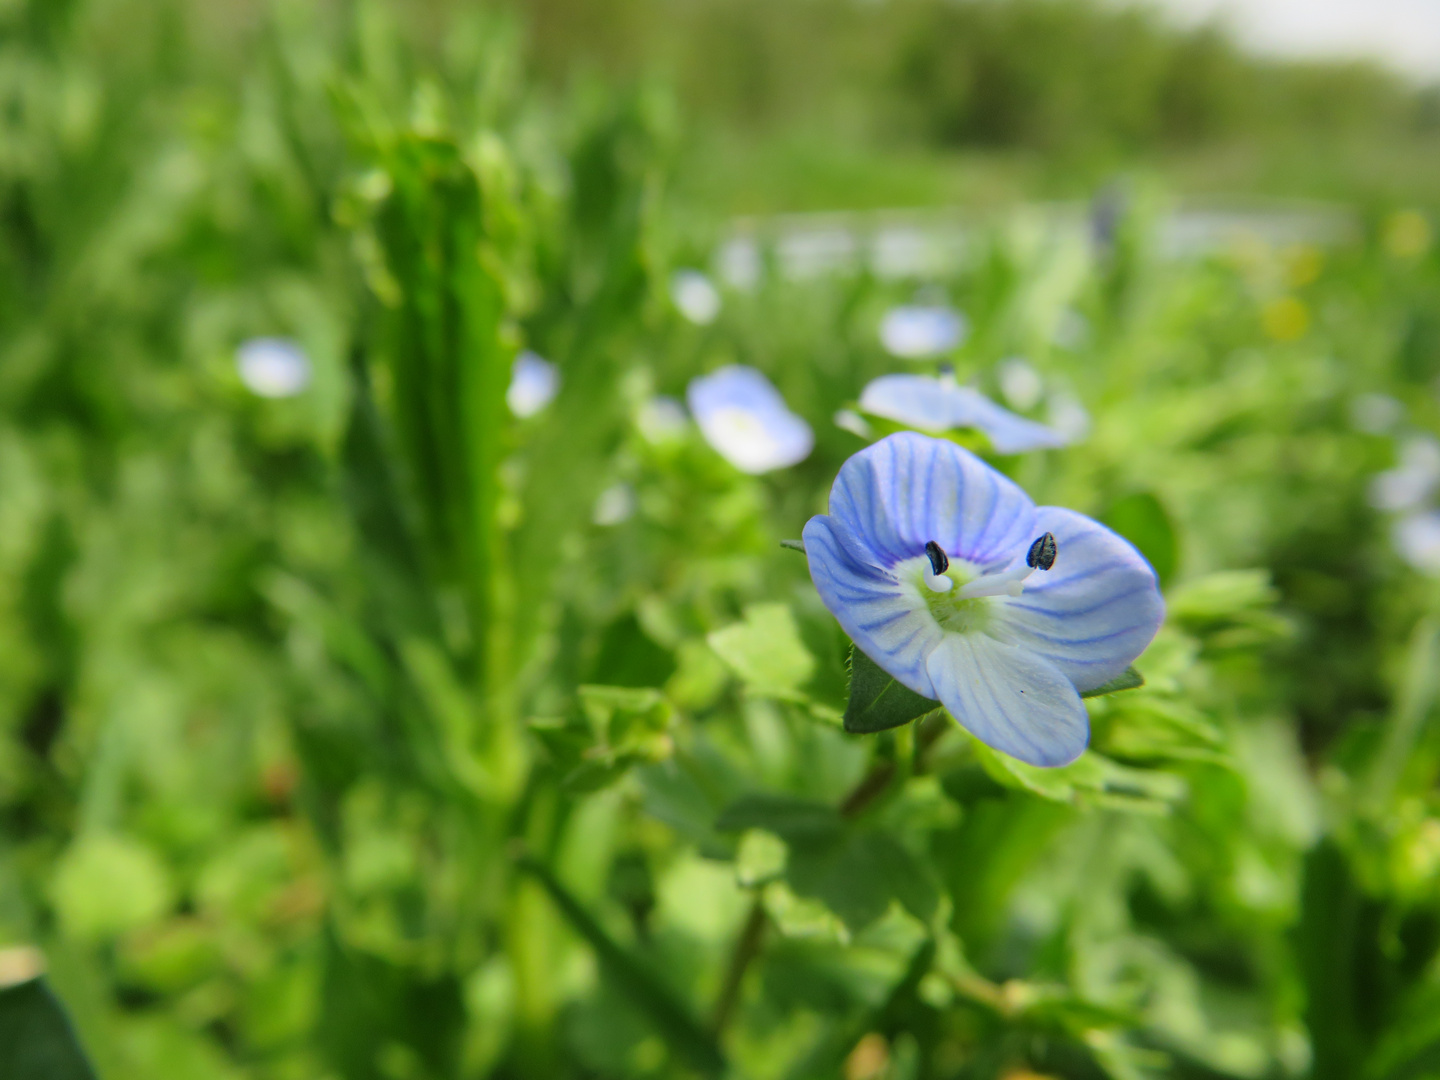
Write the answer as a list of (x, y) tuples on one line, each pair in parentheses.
[(946, 575)]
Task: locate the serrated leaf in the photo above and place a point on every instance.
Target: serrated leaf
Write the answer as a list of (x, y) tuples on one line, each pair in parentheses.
[(1091, 780), (766, 651), (878, 701), (1129, 679)]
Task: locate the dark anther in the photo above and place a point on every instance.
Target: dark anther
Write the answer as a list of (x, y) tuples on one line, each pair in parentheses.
[(947, 371), (939, 561), (1042, 552)]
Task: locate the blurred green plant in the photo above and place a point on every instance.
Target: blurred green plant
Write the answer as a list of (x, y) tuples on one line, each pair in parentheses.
[(345, 735)]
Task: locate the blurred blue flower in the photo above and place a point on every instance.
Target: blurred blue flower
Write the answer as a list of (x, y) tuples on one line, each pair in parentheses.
[(534, 382), (744, 418), (1411, 483), (1375, 414), (1067, 417), (851, 421), (919, 332), (1020, 384), (273, 367), (1417, 540), (695, 296), (661, 419), (615, 504), (940, 570), (940, 404)]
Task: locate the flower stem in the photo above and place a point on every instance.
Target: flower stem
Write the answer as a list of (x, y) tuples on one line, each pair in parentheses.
[(747, 947), (752, 935)]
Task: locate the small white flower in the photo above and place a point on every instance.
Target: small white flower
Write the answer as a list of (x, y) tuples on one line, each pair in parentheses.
[(273, 367), (1375, 414), (918, 332), (1417, 539), (534, 382), (661, 419), (695, 296), (747, 421), (1020, 384), (615, 504), (1413, 480)]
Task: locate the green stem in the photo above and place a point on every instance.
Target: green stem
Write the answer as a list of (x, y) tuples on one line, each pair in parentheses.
[(747, 947)]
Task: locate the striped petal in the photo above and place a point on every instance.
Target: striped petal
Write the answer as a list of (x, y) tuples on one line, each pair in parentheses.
[(1095, 610), (885, 618), (906, 489), (1010, 699)]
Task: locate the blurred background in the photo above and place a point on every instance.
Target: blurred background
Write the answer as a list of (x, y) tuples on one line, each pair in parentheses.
[(401, 677)]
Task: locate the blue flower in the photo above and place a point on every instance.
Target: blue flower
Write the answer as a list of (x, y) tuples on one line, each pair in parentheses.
[(534, 382), (940, 404), (744, 417), (917, 332), (945, 574), (273, 367)]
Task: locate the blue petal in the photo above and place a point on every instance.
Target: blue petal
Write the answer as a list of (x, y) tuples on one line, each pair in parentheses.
[(734, 386), (889, 624), (908, 488), (744, 418), (931, 404), (1008, 433), (917, 332), (1010, 699), (1095, 610), (534, 382), (916, 400)]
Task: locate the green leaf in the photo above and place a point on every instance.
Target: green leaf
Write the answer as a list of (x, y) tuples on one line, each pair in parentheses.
[(853, 872), (1221, 595), (620, 726), (766, 651), (878, 701), (1129, 679), (1141, 518), (1090, 780), (36, 1039), (660, 1003), (787, 816)]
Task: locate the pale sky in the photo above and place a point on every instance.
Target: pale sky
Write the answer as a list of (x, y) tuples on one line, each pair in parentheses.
[(1403, 33)]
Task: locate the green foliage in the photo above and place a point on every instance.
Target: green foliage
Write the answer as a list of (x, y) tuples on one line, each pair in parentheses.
[(341, 736), (877, 702), (36, 1039)]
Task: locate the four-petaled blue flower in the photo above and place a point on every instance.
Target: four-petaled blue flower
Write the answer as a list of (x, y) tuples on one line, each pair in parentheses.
[(940, 404), (744, 417), (940, 570)]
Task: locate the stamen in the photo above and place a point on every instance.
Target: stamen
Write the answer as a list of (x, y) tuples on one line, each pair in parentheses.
[(939, 563), (1011, 581), (1042, 552)]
